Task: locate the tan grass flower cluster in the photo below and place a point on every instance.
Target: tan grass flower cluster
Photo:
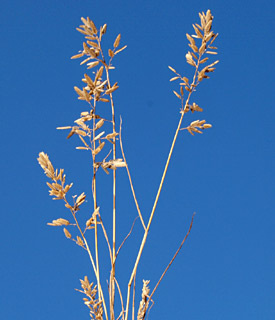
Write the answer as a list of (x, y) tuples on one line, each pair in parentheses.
[(103, 139)]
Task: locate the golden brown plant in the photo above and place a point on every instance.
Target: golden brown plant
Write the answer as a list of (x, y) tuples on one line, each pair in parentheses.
[(98, 134)]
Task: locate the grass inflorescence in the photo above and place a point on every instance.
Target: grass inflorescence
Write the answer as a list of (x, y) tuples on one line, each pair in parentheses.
[(101, 137)]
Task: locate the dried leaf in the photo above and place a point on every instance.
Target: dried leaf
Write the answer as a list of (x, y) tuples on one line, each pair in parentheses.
[(82, 31), (104, 29), (208, 26), (112, 89), (172, 69), (198, 33), (63, 128), (68, 187), (211, 52), (71, 133), (78, 55), (189, 59), (79, 241), (67, 233), (178, 95), (119, 50), (117, 41), (89, 23), (202, 48), (186, 80), (175, 78), (92, 44), (99, 73), (111, 135), (82, 148), (98, 149), (99, 135), (80, 199), (92, 64), (99, 124), (84, 61), (89, 81), (192, 41), (59, 222), (190, 131), (104, 100), (79, 92), (204, 60), (111, 53)]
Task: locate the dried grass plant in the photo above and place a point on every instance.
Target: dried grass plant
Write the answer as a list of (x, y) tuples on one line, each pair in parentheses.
[(104, 146)]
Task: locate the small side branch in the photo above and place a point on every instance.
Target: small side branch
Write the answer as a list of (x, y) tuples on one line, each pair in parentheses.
[(126, 237), (174, 257), (130, 180)]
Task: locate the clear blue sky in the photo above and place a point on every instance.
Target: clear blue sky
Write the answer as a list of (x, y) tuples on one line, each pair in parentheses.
[(226, 268)]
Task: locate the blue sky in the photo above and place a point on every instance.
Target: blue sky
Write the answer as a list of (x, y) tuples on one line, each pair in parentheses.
[(226, 268)]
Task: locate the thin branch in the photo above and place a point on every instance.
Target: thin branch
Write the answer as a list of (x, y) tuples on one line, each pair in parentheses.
[(121, 298), (126, 237), (174, 257), (133, 305), (129, 176), (112, 282), (106, 236), (193, 85), (151, 216)]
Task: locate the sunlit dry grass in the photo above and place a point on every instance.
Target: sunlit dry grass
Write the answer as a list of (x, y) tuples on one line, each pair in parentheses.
[(102, 138)]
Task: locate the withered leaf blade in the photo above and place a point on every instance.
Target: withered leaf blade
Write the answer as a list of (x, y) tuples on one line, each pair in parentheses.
[(211, 52), (117, 41), (174, 78), (92, 64), (82, 148), (98, 149), (71, 133), (177, 95), (198, 33), (79, 92), (111, 89), (92, 44), (204, 60), (111, 53), (77, 56), (172, 69), (99, 124), (119, 50), (79, 241), (99, 136), (63, 128), (67, 233)]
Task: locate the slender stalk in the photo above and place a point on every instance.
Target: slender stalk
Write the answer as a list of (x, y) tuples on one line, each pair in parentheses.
[(112, 279), (106, 237), (174, 257), (193, 85), (129, 176), (93, 263), (128, 235), (151, 216), (133, 304), (95, 207), (121, 298)]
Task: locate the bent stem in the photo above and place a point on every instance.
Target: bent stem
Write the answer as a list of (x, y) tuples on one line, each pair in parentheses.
[(174, 257), (129, 177)]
